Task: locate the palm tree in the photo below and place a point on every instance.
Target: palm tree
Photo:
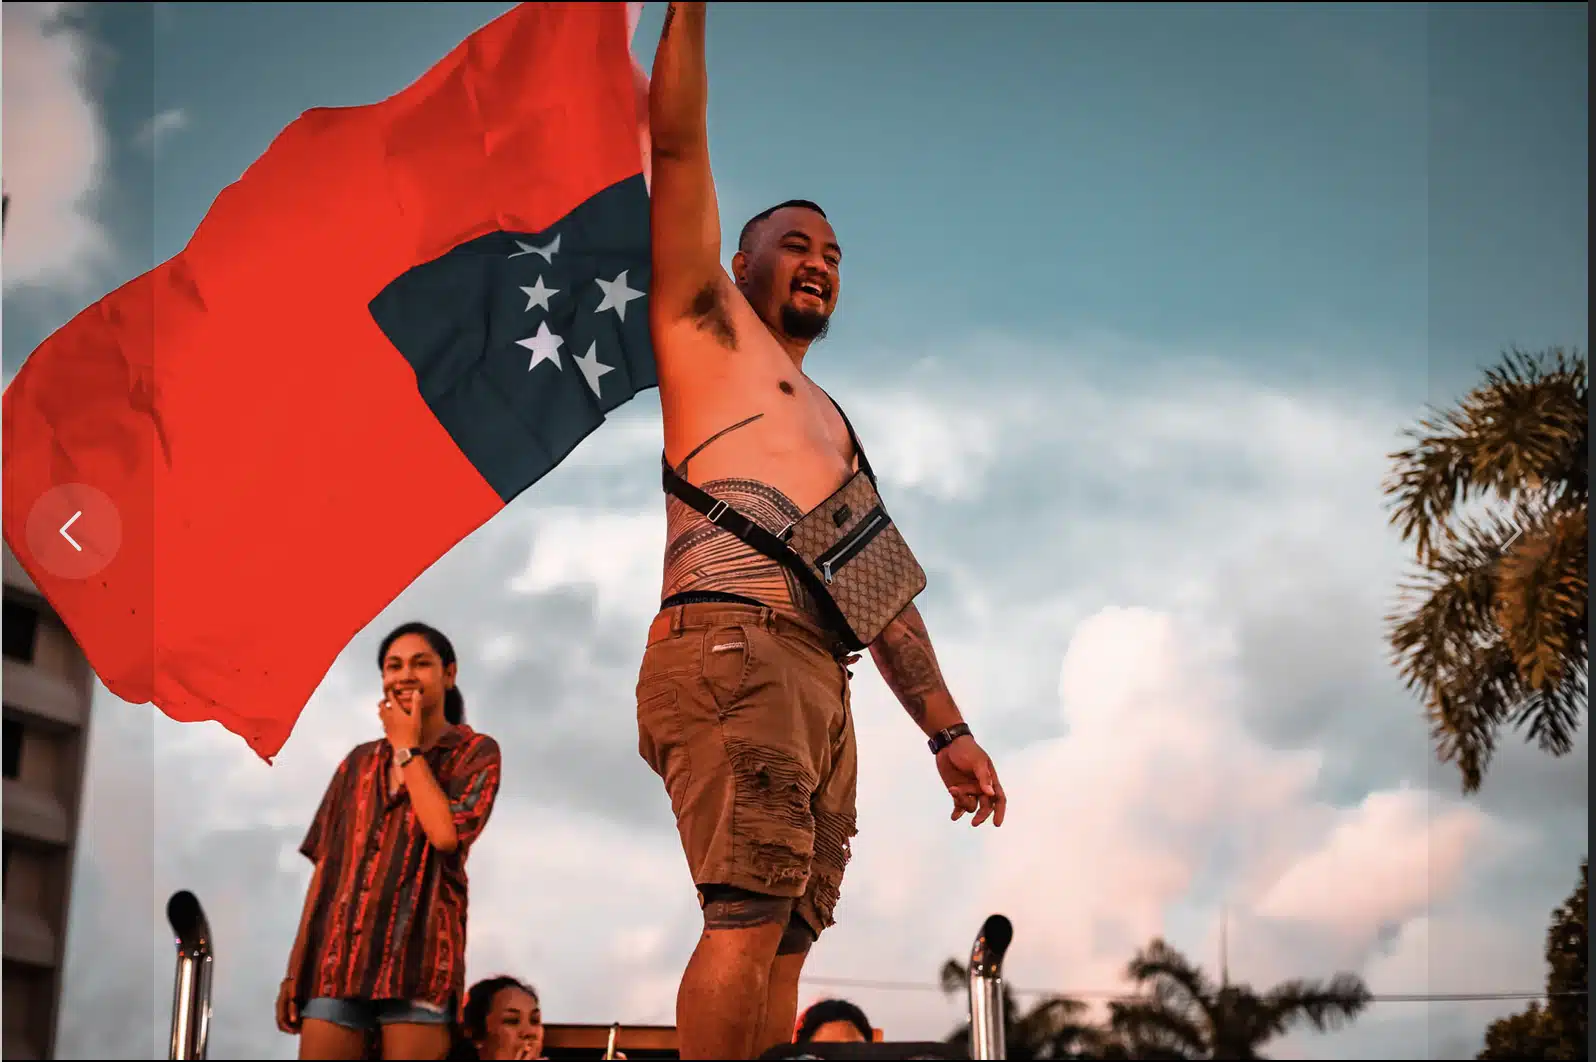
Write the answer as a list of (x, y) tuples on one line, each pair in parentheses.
[(1056, 1027), (1180, 1013), (1494, 627)]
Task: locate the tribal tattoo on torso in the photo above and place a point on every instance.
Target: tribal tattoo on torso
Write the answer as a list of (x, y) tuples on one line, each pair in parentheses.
[(700, 556)]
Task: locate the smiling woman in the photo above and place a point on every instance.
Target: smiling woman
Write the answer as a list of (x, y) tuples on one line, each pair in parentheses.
[(395, 825)]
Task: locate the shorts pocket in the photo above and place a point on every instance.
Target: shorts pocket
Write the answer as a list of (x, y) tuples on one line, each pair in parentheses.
[(728, 661), (658, 728)]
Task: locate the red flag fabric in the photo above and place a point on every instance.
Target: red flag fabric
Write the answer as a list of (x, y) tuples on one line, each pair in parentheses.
[(220, 472)]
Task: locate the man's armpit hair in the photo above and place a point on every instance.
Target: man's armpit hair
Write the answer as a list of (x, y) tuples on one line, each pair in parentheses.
[(709, 312)]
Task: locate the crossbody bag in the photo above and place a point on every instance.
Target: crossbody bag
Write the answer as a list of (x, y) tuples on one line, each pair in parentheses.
[(846, 551)]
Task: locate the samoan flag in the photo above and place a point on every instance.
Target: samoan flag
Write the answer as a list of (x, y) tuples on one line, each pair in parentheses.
[(523, 341), (198, 468)]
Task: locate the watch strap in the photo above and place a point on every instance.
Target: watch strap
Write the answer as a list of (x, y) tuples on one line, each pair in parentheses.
[(404, 756), (943, 738)]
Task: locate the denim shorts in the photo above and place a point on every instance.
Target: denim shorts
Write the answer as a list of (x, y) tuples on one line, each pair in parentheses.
[(367, 1014)]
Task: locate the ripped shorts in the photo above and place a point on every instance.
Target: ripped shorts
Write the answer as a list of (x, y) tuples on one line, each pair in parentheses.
[(745, 715)]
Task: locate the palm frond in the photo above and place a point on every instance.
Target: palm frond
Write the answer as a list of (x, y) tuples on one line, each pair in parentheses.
[(1469, 649), (1325, 1006), (1161, 966), (1542, 598), (954, 977), (1524, 432), (1152, 1030), (1056, 1028)]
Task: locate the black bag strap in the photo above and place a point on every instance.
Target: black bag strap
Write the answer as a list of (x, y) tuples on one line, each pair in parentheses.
[(864, 462), (728, 519)]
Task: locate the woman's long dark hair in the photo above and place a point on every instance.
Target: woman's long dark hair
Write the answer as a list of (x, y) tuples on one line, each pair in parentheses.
[(453, 699), (473, 1024)]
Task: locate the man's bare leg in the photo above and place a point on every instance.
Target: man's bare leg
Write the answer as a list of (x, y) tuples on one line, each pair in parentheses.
[(720, 1007), (781, 995)]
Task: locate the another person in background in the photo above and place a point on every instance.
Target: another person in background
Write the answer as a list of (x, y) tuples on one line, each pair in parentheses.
[(833, 1021), (382, 941), (501, 1019)]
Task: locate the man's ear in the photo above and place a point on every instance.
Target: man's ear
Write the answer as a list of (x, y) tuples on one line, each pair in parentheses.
[(739, 267)]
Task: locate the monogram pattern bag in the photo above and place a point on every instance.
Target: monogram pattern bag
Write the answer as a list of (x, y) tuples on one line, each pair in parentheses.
[(846, 551)]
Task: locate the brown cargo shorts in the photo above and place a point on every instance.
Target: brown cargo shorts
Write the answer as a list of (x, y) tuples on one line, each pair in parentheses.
[(745, 715)]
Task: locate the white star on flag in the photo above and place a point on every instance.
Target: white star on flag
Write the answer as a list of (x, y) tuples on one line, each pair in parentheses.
[(616, 295), (545, 346), (538, 295), (592, 368), (548, 250)]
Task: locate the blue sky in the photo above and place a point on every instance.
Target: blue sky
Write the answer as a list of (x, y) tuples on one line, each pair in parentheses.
[(1405, 178), (1137, 297)]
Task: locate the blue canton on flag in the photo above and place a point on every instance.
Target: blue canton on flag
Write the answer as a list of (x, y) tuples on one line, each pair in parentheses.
[(522, 342)]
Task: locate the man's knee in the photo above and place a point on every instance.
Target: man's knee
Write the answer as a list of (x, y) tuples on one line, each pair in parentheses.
[(728, 907), (798, 937)]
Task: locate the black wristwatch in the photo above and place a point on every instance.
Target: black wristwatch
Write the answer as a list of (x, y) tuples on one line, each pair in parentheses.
[(404, 756), (943, 738)]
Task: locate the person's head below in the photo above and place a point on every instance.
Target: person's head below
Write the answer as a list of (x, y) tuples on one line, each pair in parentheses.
[(417, 657), (833, 1021), (788, 266), (502, 1018)]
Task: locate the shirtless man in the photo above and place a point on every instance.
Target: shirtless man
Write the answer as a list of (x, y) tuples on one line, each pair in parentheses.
[(743, 700)]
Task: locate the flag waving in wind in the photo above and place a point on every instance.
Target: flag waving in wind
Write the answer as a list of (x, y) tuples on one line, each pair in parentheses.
[(398, 319)]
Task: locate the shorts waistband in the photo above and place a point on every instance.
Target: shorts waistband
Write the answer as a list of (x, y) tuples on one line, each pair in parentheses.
[(675, 619)]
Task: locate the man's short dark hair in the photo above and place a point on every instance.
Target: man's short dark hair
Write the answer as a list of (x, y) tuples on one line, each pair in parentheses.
[(753, 222), (827, 1011)]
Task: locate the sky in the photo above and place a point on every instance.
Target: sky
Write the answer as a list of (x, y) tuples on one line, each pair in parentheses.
[(1138, 299)]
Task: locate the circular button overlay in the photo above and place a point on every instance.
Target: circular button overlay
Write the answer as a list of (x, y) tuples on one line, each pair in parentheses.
[(74, 531)]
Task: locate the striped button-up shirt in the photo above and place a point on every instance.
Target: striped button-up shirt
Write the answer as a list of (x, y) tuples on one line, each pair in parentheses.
[(387, 918)]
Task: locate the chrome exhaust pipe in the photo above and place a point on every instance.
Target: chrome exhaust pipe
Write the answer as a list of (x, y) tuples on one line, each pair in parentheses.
[(987, 1020), (191, 996)]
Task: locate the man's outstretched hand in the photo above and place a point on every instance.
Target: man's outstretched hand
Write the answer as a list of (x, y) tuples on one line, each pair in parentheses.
[(972, 782)]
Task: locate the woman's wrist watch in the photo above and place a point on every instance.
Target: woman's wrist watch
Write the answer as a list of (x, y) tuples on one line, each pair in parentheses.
[(404, 756)]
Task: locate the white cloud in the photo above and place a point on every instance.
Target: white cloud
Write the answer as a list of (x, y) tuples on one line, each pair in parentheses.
[(1102, 556), (54, 149), (917, 442), (161, 127), (617, 554), (1156, 798), (1383, 863)]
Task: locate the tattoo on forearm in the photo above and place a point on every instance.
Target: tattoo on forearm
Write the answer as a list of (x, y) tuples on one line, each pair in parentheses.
[(670, 16), (908, 664)]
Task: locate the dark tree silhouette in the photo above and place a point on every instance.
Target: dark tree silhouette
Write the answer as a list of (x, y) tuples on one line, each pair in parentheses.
[(1181, 1013), (1057, 1027), (1561, 1028), (1178, 1012), (1494, 627)]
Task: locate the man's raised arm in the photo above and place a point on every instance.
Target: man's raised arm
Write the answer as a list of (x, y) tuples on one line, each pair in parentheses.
[(684, 218)]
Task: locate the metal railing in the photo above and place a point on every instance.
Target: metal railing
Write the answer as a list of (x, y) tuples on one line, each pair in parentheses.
[(987, 1019), (191, 995)]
